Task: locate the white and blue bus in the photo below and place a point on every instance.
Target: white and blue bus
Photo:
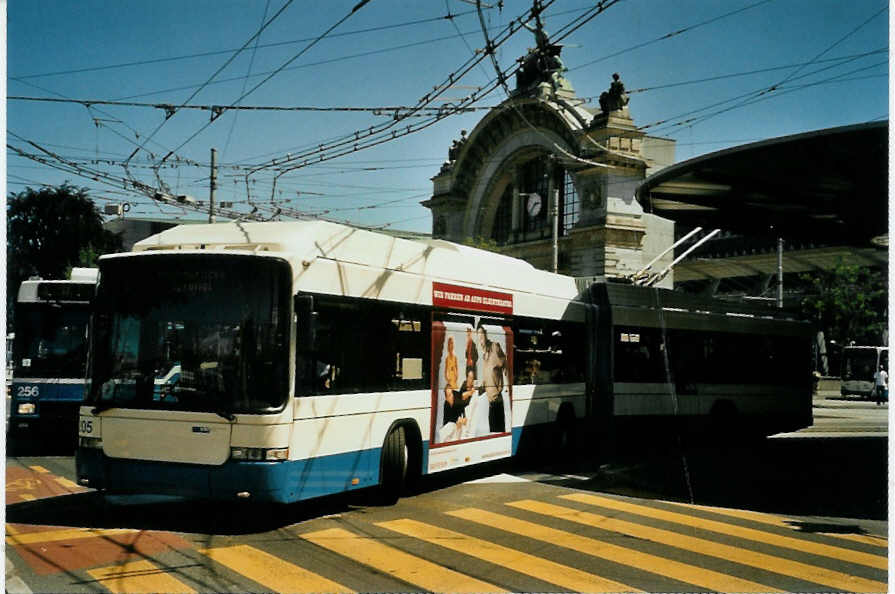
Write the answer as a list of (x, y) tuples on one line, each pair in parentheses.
[(859, 367), (285, 361), (49, 355), (313, 358)]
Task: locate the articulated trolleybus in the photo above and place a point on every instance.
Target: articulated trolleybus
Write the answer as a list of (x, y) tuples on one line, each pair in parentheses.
[(50, 354), (284, 361)]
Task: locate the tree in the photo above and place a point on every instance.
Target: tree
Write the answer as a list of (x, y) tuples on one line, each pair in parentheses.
[(50, 230), (848, 302)]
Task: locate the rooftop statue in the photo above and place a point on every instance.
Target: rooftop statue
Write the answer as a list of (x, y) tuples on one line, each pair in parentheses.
[(615, 98), (542, 63)]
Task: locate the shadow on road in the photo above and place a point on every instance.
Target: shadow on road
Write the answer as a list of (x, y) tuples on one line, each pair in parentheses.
[(809, 477), (42, 444), (94, 510), (844, 478)]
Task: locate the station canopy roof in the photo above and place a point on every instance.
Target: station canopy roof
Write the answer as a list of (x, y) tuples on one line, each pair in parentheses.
[(830, 186)]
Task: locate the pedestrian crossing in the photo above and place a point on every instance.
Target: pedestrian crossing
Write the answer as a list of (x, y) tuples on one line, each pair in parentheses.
[(571, 541)]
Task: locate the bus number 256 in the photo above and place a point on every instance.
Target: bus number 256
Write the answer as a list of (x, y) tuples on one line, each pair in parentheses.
[(28, 392)]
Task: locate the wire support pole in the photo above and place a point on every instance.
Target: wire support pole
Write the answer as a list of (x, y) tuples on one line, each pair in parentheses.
[(780, 273), (212, 185)]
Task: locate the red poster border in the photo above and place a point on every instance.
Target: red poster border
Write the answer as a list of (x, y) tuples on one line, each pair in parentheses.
[(448, 296)]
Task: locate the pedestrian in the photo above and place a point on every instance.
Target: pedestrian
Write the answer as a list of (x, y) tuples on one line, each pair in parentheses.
[(881, 385)]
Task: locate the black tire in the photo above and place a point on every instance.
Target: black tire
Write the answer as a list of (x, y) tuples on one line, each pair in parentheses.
[(725, 423), (565, 435), (393, 468)]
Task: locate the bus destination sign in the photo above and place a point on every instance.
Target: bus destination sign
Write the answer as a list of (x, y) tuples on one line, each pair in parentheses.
[(65, 291), (468, 298)]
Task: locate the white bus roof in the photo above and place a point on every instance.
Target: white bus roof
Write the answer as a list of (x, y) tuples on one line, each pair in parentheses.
[(84, 275), (28, 290), (361, 263)]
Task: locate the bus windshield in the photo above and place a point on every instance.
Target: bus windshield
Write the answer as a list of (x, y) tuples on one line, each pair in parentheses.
[(859, 364), (51, 340), (203, 333)]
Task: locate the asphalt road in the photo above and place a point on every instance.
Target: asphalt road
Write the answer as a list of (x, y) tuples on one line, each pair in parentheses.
[(791, 513)]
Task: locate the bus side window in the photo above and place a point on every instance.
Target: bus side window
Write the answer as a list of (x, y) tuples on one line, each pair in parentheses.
[(548, 352), (639, 355), (359, 346)]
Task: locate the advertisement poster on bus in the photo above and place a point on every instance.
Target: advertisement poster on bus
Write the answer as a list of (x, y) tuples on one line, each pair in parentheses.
[(472, 396)]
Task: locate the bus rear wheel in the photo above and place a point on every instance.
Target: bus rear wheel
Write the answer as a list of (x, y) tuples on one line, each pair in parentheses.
[(393, 471)]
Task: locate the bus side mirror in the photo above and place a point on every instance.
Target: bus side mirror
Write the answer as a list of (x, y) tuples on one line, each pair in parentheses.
[(306, 319)]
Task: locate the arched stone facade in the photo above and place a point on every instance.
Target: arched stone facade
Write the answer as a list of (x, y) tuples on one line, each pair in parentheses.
[(590, 161)]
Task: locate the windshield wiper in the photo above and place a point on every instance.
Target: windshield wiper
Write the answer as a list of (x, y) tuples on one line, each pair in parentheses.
[(223, 412)]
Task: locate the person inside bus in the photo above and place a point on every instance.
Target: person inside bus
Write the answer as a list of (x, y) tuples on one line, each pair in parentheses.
[(881, 385)]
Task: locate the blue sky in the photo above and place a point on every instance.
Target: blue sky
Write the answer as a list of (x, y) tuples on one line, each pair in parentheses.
[(700, 64)]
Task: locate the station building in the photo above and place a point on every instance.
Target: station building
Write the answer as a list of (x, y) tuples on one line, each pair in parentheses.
[(545, 178)]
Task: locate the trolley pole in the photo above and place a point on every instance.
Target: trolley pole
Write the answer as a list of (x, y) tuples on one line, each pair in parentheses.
[(780, 273), (213, 185)]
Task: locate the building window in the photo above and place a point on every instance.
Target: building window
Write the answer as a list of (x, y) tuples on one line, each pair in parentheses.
[(535, 218), (503, 220), (570, 211), (535, 187)]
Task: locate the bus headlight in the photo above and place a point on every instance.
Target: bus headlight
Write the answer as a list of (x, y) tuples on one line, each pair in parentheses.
[(95, 443), (259, 454), (27, 408)]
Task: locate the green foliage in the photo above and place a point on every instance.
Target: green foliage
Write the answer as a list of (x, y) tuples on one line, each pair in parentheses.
[(482, 243), (50, 230), (848, 302)]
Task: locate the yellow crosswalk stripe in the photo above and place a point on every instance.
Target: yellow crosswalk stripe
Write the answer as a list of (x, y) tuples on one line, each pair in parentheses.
[(404, 566), (691, 574), (270, 571), (782, 522), (789, 542), (40, 469), (877, 541), (67, 483), (64, 534), (137, 577), (744, 514), (799, 570), (536, 567)]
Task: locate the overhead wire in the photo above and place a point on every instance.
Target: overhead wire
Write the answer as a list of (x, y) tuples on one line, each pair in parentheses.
[(212, 77), (842, 59), (382, 110), (369, 206), (421, 105), (742, 100), (806, 63), (351, 13), (752, 97), (671, 34), (56, 161), (375, 135), (245, 82), (228, 51)]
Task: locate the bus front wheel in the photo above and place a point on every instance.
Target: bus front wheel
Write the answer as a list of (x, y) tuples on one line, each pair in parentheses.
[(393, 472)]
